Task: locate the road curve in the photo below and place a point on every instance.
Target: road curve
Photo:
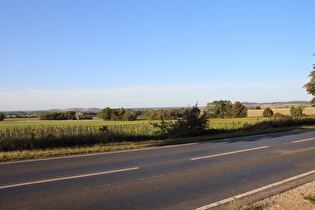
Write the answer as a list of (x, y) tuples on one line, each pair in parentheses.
[(187, 176)]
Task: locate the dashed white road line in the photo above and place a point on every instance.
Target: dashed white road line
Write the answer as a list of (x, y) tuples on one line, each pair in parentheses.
[(67, 178), (303, 140), (218, 203), (228, 153)]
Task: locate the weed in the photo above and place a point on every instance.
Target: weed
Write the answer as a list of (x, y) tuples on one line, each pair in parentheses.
[(235, 204), (310, 198)]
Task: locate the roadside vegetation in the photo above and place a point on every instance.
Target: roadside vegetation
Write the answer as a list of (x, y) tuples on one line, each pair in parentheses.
[(36, 138)]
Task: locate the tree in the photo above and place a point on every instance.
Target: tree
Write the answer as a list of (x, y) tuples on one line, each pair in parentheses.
[(238, 110), (296, 111), (310, 86), (219, 108), (268, 112), (105, 114), (2, 116), (117, 114)]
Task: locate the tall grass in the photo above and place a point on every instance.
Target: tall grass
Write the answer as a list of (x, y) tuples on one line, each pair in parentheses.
[(34, 138), (30, 138)]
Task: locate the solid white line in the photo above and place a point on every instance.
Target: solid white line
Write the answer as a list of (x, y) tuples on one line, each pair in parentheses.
[(67, 178), (228, 153), (303, 140), (218, 203)]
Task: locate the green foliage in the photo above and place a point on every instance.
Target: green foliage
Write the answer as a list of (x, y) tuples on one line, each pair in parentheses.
[(235, 204), (84, 116), (69, 115), (310, 86), (310, 198), (2, 116), (268, 112), (296, 111), (118, 114), (238, 110), (220, 108), (165, 114), (191, 123)]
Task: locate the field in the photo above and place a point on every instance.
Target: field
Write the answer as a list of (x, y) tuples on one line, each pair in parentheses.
[(22, 138), (286, 111), (254, 116)]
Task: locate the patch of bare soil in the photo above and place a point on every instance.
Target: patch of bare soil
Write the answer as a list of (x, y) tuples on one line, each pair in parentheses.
[(289, 200)]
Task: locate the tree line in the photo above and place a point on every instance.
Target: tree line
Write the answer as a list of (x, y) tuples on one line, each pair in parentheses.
[(225, 109), (121, 114)]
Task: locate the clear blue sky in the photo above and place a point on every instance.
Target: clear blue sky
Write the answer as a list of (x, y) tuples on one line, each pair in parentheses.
[(90, 53)]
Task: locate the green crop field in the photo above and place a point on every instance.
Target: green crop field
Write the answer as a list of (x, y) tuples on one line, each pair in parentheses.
[(35, 123), (226, 123)]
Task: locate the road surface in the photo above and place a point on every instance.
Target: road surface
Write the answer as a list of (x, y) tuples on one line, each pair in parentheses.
[(187, 176)]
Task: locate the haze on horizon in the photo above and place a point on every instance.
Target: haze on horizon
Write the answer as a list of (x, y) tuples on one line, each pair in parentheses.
[(168, 53)]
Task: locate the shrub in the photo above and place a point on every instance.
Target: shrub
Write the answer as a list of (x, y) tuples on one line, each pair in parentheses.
[(192, 123), (267, 112), (296, 111), (278, 115)]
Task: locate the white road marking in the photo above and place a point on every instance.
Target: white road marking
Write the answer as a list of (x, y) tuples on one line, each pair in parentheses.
[(67, 178), (303, 140), (218, 203), (228, 153)]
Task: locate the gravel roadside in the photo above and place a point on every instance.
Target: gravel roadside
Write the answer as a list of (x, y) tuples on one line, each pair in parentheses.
[(289, 200)]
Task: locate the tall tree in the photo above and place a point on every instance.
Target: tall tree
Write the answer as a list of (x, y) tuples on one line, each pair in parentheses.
[(219, 108), (238, 110), (310, 86)]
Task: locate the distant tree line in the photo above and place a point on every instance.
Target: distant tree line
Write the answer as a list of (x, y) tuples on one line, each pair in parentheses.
[(164, 114), (68, 115), (121, 114), (225, 109)]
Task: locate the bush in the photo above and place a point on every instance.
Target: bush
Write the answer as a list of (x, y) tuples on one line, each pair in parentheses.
[(267, 112), (278, 115), (192, 123), (296, 111)]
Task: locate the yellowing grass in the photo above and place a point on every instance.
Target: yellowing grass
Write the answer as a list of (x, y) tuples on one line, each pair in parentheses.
[(285, 111)]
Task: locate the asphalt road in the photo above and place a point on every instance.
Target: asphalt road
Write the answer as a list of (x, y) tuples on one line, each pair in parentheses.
[(184, 176)]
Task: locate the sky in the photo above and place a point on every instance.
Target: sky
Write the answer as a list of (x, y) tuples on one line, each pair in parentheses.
[(158, 53)]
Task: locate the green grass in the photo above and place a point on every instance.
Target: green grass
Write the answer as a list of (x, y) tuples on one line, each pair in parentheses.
[(20, 123), (310, 198), (46, 140), (9, 123)]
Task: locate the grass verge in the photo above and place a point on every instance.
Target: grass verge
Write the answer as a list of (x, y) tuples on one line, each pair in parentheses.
[(115, 146)]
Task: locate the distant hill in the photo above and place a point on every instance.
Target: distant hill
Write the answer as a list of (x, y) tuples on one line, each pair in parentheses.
[(95, 110)]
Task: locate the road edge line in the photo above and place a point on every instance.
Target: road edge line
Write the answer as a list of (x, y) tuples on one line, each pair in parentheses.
[(218, 203)]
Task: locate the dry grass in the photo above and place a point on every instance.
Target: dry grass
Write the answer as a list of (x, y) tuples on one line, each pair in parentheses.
[(285, 111)]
